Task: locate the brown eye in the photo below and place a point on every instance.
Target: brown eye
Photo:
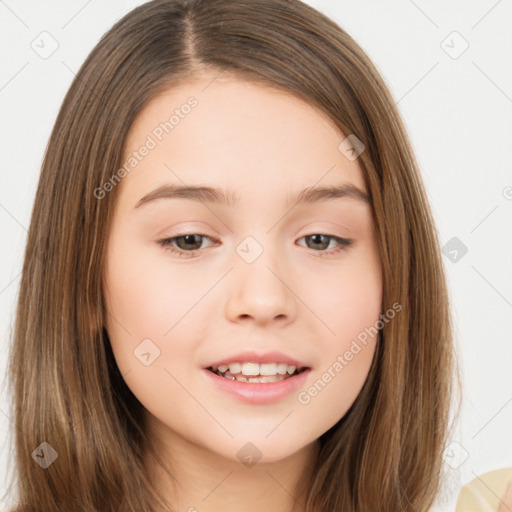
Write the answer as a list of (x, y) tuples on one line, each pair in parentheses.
[(186, 244), (320, 242)]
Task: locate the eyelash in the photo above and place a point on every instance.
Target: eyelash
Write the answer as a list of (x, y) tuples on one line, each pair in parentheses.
[(166, 244)]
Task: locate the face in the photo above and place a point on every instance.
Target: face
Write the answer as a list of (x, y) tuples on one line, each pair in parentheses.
[(192, 281)]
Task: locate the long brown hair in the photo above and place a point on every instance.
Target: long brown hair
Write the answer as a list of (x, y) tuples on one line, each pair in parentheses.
[(386, 452)]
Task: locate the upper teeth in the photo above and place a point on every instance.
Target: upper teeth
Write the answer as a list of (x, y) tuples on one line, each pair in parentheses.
[(256, 369)]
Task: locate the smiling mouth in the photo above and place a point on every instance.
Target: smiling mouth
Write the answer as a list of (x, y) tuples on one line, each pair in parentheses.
[(251, 373)]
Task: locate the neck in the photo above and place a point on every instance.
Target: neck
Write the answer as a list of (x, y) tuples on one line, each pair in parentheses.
[(206, 481)]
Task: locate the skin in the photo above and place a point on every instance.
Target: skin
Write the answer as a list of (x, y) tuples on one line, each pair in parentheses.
[(262, 144)]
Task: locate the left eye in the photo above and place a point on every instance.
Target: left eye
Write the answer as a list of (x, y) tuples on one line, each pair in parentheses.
[(183, 241), (340, 243)]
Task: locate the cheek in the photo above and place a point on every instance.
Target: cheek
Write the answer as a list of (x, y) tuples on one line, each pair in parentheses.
[(347, 297), (333, 389), (350, 304), (141, 306), (340, 375), (145, 294), (147, 335)]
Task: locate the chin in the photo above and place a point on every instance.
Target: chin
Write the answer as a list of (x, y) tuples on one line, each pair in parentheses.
[(258, 450)]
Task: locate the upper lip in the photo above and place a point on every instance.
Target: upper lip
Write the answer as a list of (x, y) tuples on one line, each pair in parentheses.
[(252, 356)]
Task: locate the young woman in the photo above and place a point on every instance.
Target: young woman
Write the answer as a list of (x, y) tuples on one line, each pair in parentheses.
[(232, 292)]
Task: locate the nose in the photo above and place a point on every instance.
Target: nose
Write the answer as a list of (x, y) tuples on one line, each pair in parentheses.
[(261, 291)]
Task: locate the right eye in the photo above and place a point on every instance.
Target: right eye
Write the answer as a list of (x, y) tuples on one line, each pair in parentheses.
[(183, 241)]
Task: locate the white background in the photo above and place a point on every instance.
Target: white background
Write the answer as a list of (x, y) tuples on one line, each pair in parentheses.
[(458, 114)]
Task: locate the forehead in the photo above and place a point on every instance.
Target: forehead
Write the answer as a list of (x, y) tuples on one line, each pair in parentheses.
[(237, 135)]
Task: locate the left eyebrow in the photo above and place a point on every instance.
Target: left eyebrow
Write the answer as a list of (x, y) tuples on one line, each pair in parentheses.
[(210, 194)]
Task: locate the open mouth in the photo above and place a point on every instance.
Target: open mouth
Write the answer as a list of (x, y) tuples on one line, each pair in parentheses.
[(254, 373), (255, 383)]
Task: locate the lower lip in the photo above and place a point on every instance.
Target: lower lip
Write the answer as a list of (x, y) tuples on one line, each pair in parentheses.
[(256, 392)]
